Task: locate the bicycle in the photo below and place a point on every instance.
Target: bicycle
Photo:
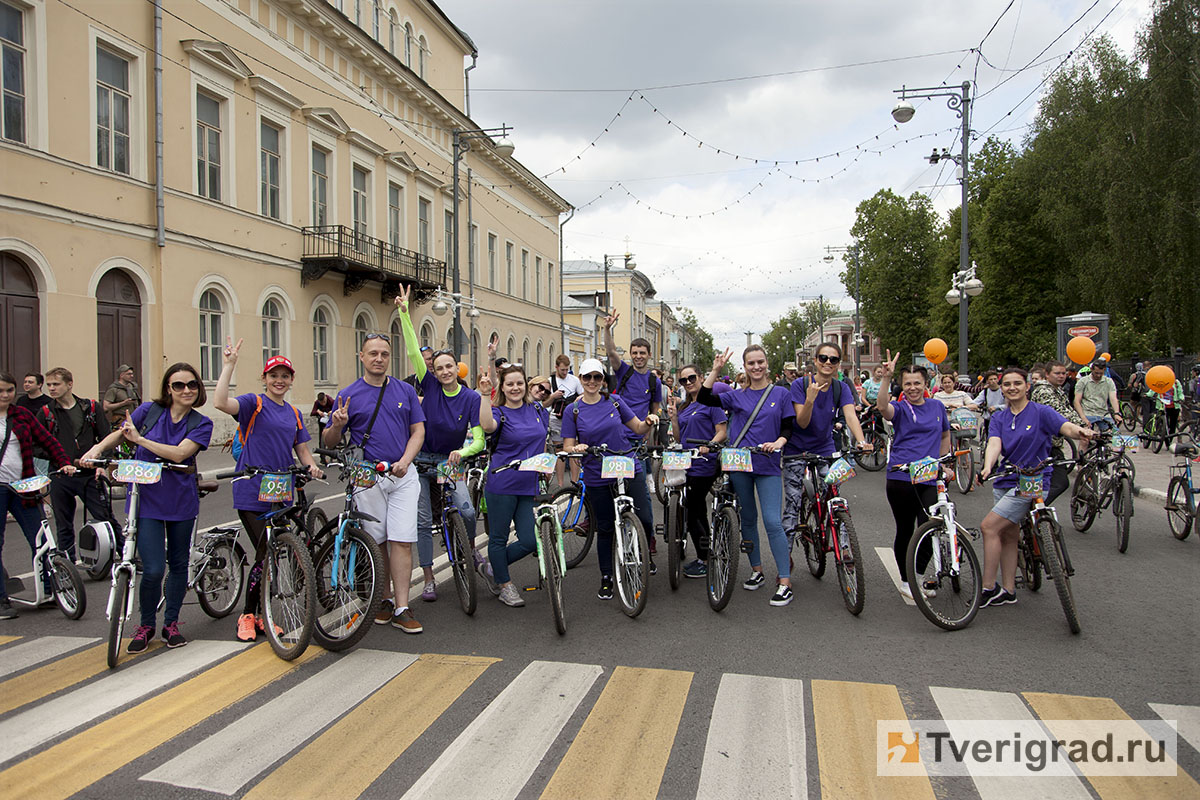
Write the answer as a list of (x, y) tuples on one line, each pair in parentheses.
[(551, 560), (964, 426), (675, 462), (575, 516), (823, 526), (52, 567), (1042, 543), (951, 575), (1105, 477), (460, 546), (876, 435), (1183, 490), (1154, 430), (1131, 413)]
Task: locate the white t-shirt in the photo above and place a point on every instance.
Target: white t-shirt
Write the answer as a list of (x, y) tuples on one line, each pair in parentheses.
[(10, 467), (570, 385)]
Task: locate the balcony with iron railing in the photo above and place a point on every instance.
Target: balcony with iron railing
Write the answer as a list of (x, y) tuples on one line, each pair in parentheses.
[(361, 258)]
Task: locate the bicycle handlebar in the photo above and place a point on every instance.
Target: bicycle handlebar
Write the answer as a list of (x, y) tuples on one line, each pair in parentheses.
[(301, 473), (186, 469)]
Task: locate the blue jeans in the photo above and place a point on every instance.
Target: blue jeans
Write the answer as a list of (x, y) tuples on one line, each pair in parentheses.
[(29, 519), (462, 499), (770, 501), (161, 544), (606, 525), (503, 510)]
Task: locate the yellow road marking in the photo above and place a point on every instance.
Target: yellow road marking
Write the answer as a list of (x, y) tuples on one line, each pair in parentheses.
[(366, 741), (78, 762), (844, 720), (1051, 707), (623, 746), (7, 639), (58, 675)]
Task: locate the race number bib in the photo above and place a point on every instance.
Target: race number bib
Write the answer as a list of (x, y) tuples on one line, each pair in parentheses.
[(542, 462), (924, 470), (1127, 444), (275, 488), (673, 460), (138, 472), (30, 485), (840, 471), (617, 467), (363, 475), (1029, 486), (447, 473), (966, 422), (736, 459)]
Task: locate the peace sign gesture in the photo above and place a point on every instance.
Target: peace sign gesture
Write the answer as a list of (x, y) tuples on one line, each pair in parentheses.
[(341, 413), (610, 321), (230, 354), (492, 344), (721, 360), (485, 386), (889, 366), (402, 298)]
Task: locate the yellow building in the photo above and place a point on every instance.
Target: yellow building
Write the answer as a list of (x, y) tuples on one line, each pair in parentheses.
[(304, 174)]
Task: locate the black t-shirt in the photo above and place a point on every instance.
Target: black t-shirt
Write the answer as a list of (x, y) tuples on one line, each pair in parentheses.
[(34, 404)]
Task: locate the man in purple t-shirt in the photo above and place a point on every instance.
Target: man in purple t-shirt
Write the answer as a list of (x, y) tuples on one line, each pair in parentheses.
[(636, 384), (395, 435)]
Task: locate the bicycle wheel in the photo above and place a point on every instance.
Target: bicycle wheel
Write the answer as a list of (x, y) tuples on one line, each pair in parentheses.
[(1085, 494), (315, 522), (964, 471), (723, 554), (674, 531), (849, 564), (350, 593), (117, 602), (1123, 510), (1179, 516), (812, 540), (1128, 415), (631, 563), (219, 586), (660, 488), (575, 515), (289, 595), (463, 562), (955, 597), (1052, 556), (554, 575), (69, 591), (877, 458)]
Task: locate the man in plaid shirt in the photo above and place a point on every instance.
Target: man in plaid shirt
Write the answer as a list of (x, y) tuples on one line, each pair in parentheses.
[(1051, 393)]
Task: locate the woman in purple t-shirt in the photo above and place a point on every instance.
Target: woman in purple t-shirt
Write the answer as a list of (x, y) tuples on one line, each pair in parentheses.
[(271, 433), (168, 509), (922, 430), (523, 425)]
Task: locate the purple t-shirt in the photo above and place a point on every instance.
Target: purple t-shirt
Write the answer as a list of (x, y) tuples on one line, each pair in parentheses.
[(522, 435), (918, 435), (818, 436), (447, 418), (602, 422), (269, 445), (698, 421), (398, 410), (175, 497), (766, 426), (1025, 438), (636, 391)]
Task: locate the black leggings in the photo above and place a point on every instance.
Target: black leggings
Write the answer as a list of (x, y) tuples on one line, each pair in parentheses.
[(697, 512), (256, 528), (909, 504)]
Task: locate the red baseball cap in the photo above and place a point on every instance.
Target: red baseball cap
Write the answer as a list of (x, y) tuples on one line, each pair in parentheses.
[(279, 361)]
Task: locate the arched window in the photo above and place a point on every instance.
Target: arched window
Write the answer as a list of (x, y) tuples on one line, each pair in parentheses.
[(397, 349), (511, 352), (550, 359), (539, 358), (375, 11), (427, 335), (525, 354), (362, 326), (450, 339), (422, 53), (272, 329), (212, 334), (321, 330), (393, 25), (408, 44)]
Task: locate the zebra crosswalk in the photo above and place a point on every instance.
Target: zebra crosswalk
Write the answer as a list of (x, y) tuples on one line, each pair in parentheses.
[(336, 724)]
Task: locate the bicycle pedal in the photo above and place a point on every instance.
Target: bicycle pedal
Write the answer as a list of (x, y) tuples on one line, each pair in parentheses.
[(747, 546), (974, 533), (530, 588)]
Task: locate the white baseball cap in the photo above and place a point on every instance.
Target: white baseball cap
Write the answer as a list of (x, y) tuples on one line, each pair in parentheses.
[(591, 365)]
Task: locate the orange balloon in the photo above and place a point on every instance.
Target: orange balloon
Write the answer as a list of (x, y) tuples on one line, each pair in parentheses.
[(1081, 349), (1106, 356), (1160, 379), (462, 370), (936, 350)]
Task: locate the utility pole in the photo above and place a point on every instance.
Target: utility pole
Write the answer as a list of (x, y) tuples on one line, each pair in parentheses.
[(749, 334), (821, 312)]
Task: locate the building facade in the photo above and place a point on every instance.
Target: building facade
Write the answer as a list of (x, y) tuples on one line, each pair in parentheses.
[(274, 173), (630, 294), (840, 331)]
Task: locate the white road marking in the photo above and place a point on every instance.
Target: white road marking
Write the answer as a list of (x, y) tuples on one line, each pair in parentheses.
[(25, 654), (888, 557), (1188, 718)]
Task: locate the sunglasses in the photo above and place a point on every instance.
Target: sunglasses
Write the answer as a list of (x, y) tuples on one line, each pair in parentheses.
[(690, 379), (824, 359), (445, 352), (179, 386), (542, 389), (594, 376), (371, 336), (426, 349)]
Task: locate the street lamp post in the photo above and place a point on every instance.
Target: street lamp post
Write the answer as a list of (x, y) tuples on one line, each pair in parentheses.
[(462, 144), (963, 286), (858, 338), (959, 101), (629, 264)]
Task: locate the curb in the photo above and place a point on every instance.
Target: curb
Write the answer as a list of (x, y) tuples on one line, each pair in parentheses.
[(1149, 494)]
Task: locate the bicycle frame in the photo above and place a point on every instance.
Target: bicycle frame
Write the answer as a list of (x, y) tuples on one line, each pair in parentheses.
[(1037, 510), (824, 503), (542, 511), (943, 509)]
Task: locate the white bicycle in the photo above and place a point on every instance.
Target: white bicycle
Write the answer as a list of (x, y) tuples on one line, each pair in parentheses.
[(66, 585)]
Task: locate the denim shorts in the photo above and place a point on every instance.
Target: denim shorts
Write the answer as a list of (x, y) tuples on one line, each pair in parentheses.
[(1008, 505)]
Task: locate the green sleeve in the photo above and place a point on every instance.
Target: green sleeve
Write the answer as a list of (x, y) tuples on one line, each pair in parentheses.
[(411, 345), (477, 442)]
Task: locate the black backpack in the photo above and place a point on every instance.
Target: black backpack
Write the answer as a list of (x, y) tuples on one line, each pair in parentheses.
[(49, 419), (155, 411), (616, 387)]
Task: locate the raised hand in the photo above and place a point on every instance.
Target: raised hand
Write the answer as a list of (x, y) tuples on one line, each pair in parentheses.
[(721, 360), (816, 385), (341, 413), (610, 321), (230, 354), (492, 344), (672, 405), (129, 430), (402, 298), (485, 385), (889, 365)]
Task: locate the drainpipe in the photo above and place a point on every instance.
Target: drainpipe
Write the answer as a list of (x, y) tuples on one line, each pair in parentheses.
[(472, 265), (159, 206), (467, 84), (564, 340)]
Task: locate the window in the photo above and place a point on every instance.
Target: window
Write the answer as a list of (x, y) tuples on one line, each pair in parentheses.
[(539, 358), (472, 253), (272, 329), (359, 201), (426, 336), (112, 111), (550, 285), (362, 326), (408, 43), (422, 51), (12, 73), (375, 19), (392, 26), (397, 349), (358, 13), (394, 205), (320, 186), (320, 329), (537, 282), (512, 348), (525, 353), (269, 166), (208, 146), (212, 335), (525, 274), (424, 209), (491, 261), (448, 219), (508, 265)]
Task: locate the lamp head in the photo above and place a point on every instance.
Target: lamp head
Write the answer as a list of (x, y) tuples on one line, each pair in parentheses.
[(973, 287), (951, 297), (440, 307), (630, 263), (505, 148), (903, 111), (828, 258)]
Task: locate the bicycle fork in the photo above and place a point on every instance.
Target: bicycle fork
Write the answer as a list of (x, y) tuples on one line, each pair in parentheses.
[(541, 512)]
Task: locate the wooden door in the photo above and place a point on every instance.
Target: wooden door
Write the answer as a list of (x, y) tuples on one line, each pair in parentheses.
[(20, 323), (118, 327)]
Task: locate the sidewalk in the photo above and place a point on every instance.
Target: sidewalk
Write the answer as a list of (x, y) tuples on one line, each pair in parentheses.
[(1153, 473)]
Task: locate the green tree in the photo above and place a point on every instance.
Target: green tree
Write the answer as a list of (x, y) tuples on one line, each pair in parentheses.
[(704, 351), (787, 333)]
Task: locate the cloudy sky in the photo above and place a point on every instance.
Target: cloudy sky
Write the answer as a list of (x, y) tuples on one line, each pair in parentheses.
[(704, 88)]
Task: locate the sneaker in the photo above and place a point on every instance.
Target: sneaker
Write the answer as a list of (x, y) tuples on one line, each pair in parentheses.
[(261, 626), (755, 580), (653, 567), (429, 593), (782, 596), (386, 609), (929, 588), (484, 568), (695, 569), (172, 635), (406, 622), (7, 611), (988, 595), (141, 639), (606, 588), (246, 628), (510, 596), (1004, 598), (906, 590)]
